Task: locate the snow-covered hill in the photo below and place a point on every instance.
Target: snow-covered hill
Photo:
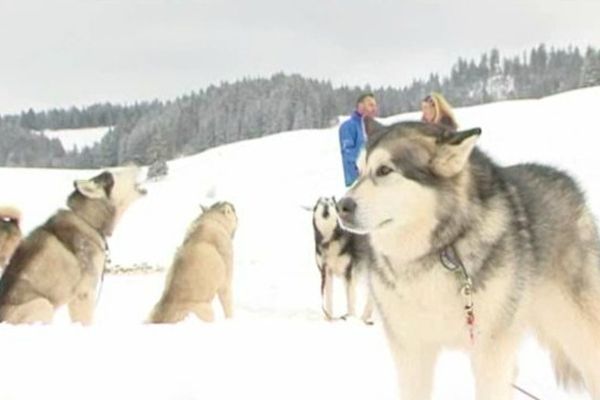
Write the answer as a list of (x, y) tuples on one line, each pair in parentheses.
[(278, 346), (80, 138)]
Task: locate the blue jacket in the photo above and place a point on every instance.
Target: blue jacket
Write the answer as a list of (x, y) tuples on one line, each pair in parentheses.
[(352, 140)]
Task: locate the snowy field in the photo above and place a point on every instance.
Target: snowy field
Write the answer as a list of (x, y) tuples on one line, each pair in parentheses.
[(278, 345), (76, 137)]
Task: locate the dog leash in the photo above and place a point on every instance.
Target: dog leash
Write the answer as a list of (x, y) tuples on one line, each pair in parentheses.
[(452, 262), (107, 262), (525, 392)]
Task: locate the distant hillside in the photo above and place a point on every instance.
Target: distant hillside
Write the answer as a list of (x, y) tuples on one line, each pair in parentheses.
[(250, 108)]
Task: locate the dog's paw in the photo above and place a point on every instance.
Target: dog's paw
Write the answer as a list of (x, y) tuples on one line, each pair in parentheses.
[(349, 317)]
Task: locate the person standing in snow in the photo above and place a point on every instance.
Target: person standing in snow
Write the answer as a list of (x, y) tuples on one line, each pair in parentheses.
[(353, 136), (436, 110)]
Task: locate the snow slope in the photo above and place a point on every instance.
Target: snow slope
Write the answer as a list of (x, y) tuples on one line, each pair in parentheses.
[(278, 345), (80, 138)]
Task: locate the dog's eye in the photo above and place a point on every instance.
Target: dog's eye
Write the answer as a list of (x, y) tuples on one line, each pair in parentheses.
[(383, 171)]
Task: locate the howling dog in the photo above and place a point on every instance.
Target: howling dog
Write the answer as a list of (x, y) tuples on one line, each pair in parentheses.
[(338, 253), (470, 254), (202, 269), (62, 261)]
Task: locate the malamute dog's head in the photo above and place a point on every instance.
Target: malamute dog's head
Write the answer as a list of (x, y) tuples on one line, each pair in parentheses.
[(103, 199), (409, 169), (325, 217), (224, 213), (10, 233)]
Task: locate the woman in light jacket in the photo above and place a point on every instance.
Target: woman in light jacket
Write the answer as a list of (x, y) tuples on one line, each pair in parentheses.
[(437, 110)]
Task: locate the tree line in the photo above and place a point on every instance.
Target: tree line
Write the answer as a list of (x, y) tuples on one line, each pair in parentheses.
[(147, 132)]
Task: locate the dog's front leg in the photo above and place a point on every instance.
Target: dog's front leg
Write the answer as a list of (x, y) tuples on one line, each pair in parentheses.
[(415, 365), (81, 307), (226, 299), (494, 366), (367, 315), (328, 294), (350, 293)]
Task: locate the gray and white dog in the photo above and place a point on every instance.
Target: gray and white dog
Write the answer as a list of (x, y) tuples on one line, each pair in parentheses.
[(338, 253), (470, 255)]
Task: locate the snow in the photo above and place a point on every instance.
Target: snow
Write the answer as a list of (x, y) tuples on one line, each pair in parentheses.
[(80, 138), (278, 345)]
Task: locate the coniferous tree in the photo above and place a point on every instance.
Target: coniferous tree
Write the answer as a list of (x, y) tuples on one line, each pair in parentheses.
[(254, 107), (590, 74)]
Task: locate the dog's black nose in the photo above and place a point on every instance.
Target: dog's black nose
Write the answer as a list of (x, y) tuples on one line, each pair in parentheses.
[(346, 206)]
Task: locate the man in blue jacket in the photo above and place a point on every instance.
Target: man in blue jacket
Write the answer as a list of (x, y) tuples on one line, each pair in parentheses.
[(353, 136)]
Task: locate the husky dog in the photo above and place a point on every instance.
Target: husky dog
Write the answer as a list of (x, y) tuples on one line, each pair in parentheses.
[(62, 261), (202, 268), (10, 233), (338, 253), (522, 243)]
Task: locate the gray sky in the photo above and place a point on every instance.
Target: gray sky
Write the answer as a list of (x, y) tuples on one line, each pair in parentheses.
[(77, 52)]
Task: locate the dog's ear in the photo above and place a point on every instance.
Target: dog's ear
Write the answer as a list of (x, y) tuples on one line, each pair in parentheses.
[(372, 126), (334, 200), (89, 188), (453, 150), (203, 208)]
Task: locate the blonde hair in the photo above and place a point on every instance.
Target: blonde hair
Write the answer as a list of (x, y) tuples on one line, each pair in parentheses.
[(441, 109)]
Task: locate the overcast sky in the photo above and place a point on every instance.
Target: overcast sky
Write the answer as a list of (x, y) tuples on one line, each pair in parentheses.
[(77, 52)]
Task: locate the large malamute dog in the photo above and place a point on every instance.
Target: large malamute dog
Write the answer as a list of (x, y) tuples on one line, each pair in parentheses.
[(338, 253), (10, 233), (202, 268), (61, 261), (470, 254)]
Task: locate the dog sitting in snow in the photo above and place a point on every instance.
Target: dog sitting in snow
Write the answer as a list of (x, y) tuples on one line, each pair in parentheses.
[(10, 233), (338, 253), (61, 261), (202, 269)]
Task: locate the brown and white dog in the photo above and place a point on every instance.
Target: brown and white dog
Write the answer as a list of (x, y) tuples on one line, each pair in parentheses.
[(202, 269), (62, 261)]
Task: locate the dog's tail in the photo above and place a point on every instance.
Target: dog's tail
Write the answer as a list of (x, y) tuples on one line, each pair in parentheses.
[(567, 375), (167, 312), (10, 214)]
